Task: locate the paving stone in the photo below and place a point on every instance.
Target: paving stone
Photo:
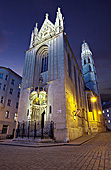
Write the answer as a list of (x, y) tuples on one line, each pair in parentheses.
[(93, 155)]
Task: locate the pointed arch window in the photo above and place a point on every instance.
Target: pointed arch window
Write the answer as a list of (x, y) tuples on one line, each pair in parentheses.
[(89, 104), (84, 61), (69, 66), (90, 68), (44, 63), (88, 60)]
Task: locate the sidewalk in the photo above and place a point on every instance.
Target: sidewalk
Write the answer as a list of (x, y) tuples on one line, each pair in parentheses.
[(77, 142)]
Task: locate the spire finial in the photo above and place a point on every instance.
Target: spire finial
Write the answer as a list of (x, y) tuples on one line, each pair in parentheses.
[(84, 41), (47, 15), (58, 9), (36, 25)]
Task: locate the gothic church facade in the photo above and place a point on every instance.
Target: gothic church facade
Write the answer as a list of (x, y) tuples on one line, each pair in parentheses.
[(53, 84)]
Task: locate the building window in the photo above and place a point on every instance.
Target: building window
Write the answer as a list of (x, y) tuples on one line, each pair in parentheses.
[(0, 85), (28, 112), (90, 68), (2, 99), (9, 102), (11, 91), (89, 104), (107, 110), (50, 109), (103, 111), (13, 82), (1, 75), (18, 95), (88, 60), (4, 88), (4, 129), (19, 86), (45, 63), (84, 61), (17, 105), (15, 117), (7, 114), (6, 78), (109, 121), (107, 115), (69, 66)]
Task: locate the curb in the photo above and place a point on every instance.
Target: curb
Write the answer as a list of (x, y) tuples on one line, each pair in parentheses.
[(71, 144), (48, 145)]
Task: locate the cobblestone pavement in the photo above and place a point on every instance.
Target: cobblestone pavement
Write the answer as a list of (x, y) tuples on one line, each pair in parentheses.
[(92, 155)]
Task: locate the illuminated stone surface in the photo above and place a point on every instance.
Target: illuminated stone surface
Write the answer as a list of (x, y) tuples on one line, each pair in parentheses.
[(51, 57)]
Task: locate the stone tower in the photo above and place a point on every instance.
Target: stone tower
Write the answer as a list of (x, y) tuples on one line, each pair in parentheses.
[(89, 72)]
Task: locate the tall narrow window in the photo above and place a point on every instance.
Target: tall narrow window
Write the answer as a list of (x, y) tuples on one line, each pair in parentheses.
[(50, 109), (18, 94), (89, 104), (1, 75), (47, 63), (90, 68), (84, 61), (88, 60), (75, 78), (79, 84), (69, 66), (9, 102), (7, 114), (4, 87), (6, 78), (13, 82), (11, 91), (2, 99), (17, 105), (44, 63)]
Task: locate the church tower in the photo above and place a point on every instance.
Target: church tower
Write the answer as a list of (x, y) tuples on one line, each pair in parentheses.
[(89, 72)]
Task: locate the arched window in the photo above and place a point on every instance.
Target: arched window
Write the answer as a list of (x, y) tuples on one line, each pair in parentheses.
[(89, 103), (44, 62), (69, 66), (90, 68), (88, 60), (84, 61)]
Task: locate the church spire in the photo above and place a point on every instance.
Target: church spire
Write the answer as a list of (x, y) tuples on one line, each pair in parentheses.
[(89, 72), (59, 21)]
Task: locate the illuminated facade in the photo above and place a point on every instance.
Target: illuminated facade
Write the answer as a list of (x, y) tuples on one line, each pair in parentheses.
[(53, 88), (9, 100), (107, 114)]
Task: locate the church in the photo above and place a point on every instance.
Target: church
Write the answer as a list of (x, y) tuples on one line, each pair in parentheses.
[(54, 89)]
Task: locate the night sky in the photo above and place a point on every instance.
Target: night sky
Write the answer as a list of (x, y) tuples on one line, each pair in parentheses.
[(83, 19)]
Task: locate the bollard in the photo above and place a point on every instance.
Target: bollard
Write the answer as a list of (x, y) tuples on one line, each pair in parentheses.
[(18, 130), (52, 129), (35, 129), (29, 129), (23, 130)]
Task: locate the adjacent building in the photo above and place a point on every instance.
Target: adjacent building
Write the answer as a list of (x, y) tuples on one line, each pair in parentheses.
[(9, 100), (107, 114), (53, 87)]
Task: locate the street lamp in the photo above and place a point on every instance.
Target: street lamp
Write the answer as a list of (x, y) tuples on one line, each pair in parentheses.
[(99, 112), (93, 99)]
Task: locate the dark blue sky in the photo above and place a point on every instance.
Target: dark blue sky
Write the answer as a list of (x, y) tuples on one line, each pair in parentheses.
[(84, 19)]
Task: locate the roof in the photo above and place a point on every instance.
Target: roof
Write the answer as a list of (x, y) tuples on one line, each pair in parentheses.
[(11, 71)]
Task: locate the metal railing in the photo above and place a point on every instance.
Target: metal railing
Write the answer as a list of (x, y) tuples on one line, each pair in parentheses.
[(35, 129)]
